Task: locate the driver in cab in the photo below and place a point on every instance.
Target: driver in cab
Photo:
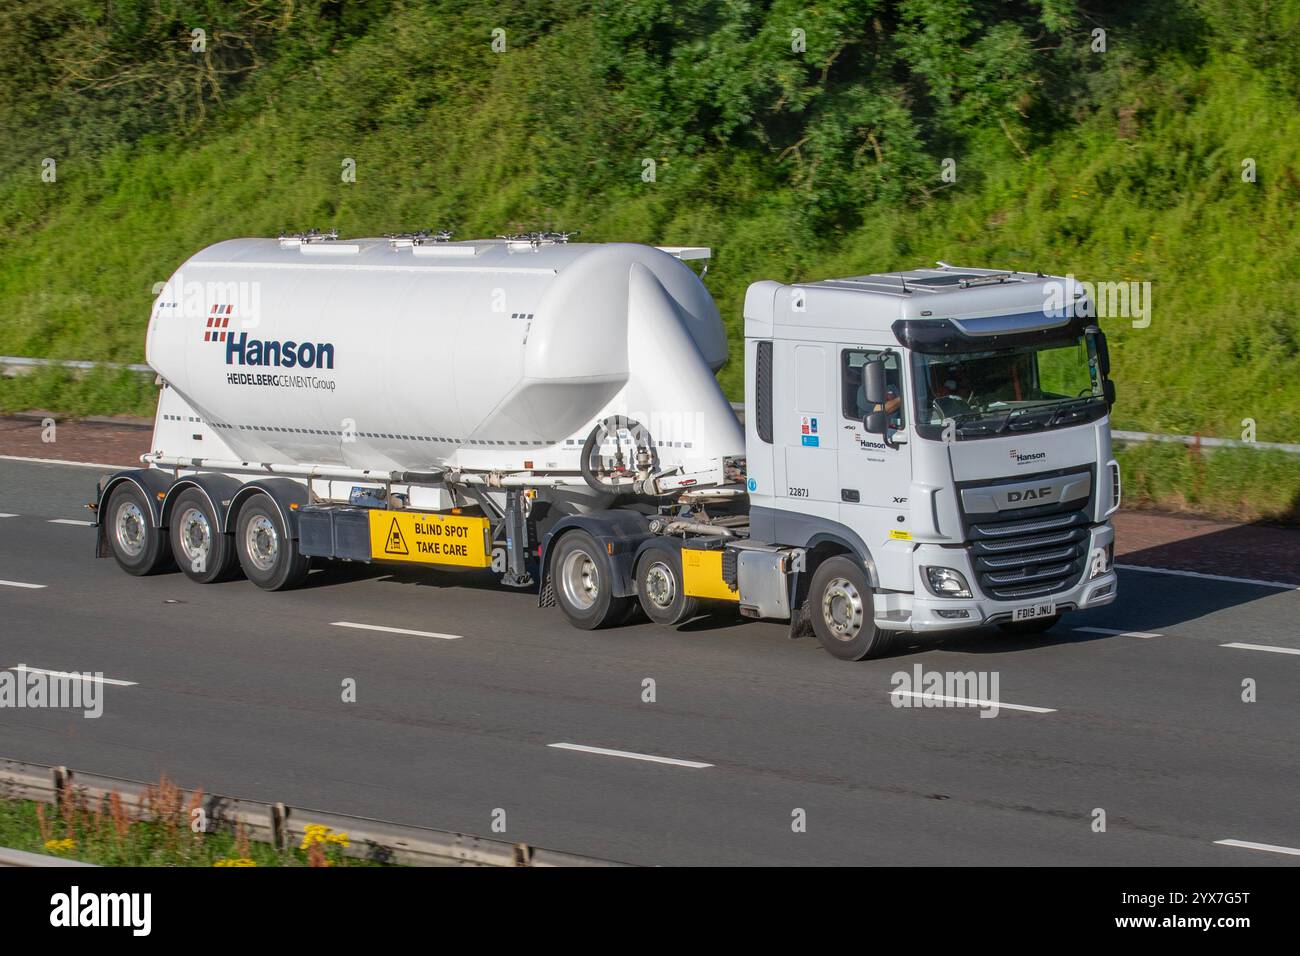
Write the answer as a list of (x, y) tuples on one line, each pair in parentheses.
[(893, 397)]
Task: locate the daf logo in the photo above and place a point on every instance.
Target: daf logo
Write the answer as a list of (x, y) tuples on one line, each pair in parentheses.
[(1030, 494)]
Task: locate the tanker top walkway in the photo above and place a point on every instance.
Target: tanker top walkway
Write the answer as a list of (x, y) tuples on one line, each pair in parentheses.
[(1143, 538)]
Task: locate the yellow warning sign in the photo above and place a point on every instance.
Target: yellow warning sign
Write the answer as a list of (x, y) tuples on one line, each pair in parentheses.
[(430, 538), (396, 543)]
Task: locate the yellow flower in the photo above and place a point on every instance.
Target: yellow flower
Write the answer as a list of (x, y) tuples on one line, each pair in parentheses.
[(60, 846), (314, 833), (235, 861)]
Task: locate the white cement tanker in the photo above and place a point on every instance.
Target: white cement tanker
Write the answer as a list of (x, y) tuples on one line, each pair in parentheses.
[(490, 356), (925, 450)]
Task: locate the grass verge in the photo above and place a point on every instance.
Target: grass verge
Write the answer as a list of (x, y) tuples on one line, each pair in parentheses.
[(158, 830), (79, 392), (1239, 484)]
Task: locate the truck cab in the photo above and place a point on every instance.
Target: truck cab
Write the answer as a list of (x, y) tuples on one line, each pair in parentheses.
[(942, 432)]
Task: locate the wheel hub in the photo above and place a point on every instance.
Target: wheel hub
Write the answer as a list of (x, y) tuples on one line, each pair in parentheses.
[(262, 542), (580, 580), (842, 609), (660, 587), (196, 535), (130, 529)]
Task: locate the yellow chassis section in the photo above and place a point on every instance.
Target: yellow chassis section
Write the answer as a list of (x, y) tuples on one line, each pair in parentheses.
[(702, 576)]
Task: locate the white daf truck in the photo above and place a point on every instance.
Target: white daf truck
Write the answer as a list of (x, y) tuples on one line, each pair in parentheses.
[(921, 451)]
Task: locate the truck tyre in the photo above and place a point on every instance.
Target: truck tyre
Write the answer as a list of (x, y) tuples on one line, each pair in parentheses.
[(840, 606), (659, 586), (1036, 626), (582, 577), (269, 557), (138, 546), (203, 553)]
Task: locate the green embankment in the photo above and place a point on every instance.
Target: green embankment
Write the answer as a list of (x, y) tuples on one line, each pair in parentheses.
[(1166, 159)]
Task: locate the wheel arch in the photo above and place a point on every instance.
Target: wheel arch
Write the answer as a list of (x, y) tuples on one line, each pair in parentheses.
[(622, 534), (152, 485), (220, 491), (286, 494), (820, 547), (799, 530)]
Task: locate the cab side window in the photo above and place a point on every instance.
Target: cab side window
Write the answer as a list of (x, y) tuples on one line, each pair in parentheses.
[(855, 392)]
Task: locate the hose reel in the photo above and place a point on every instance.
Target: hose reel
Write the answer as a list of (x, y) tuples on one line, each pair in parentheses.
[(630, 465)]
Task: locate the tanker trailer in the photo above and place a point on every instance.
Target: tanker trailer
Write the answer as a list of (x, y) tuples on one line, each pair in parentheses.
[(419, 401), (922, 451)]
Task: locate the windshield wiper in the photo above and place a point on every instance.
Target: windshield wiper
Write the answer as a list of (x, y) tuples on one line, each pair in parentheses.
[(979, 421), (1071, 403)]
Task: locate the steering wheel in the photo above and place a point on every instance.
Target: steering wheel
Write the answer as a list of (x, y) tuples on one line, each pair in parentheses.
[(950, 406)]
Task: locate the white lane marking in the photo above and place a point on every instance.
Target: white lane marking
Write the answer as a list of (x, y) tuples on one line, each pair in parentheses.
[(583, 748), (71, 675), (1263, 647), (73, 521), (396, 630), (1108, 630), (60, 461), (20, 584), (1211, 577), (3, 515), (972, 701), (1266, 847)]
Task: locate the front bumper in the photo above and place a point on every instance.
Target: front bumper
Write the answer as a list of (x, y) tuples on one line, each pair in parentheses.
[(922, 611)]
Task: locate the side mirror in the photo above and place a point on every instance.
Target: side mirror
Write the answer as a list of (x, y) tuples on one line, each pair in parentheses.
[(876, 423), (873, 382), (1108, 390)]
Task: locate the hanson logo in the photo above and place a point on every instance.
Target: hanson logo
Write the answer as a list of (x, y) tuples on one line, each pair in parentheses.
[(218, 323), (1020, 459), (241, 350)]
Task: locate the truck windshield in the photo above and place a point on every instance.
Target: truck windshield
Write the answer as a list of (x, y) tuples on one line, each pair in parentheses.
[(1008, 390)]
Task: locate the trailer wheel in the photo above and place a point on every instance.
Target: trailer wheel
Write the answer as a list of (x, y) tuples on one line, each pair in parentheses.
[(269, 557), (203, 553), (138, 546), (582, 578), (840, 606), (659, 586)]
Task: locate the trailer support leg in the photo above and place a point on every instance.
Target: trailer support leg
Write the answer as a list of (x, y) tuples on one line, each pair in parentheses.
[(516, 575)]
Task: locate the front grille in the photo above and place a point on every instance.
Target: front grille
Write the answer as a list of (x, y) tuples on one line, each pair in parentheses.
[(1016, 559)]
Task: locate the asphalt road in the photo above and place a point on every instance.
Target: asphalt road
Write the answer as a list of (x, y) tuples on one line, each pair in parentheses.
[(240, 692)]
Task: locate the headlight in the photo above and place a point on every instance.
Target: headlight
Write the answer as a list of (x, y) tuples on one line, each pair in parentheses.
[(945, 582)]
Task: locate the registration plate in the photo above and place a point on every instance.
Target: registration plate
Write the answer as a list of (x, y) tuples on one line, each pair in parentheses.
[(1032, 612)]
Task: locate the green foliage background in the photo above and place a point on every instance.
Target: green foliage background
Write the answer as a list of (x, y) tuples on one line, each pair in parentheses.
[(1123, 164)]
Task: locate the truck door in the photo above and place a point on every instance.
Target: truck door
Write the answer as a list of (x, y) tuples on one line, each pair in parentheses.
[(804, 426), (875, 475)]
